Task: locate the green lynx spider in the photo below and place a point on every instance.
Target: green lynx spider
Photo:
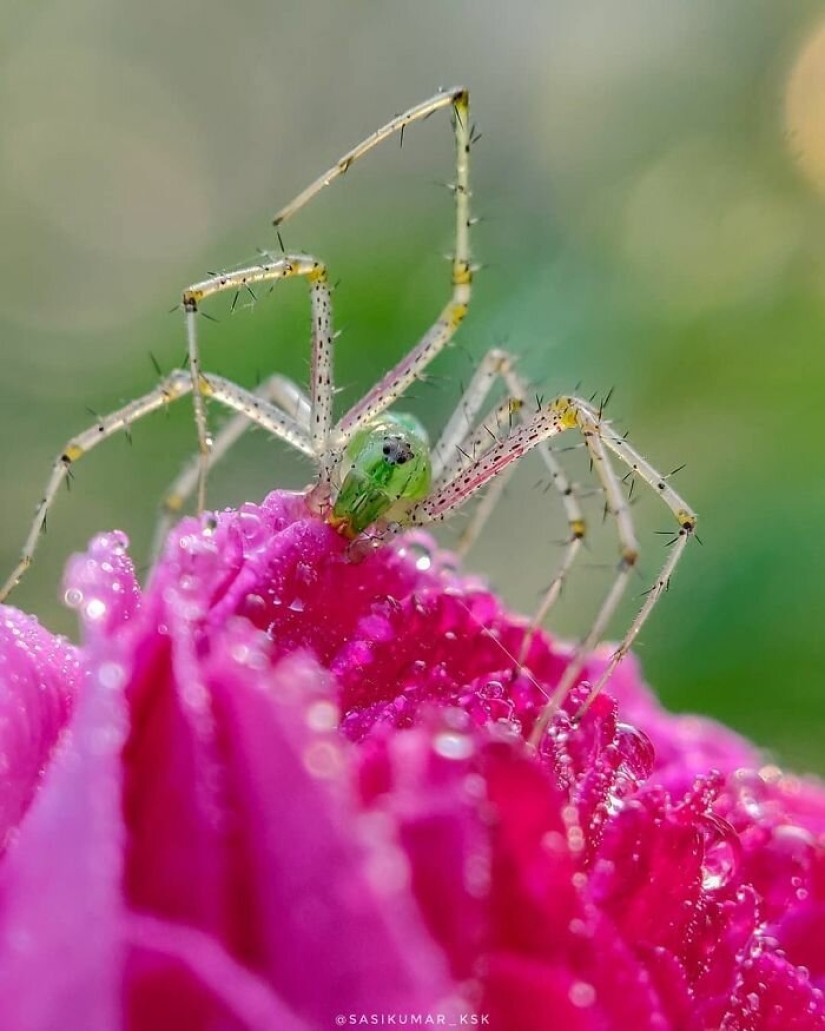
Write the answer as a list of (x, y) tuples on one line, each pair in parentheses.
[(375, 469)]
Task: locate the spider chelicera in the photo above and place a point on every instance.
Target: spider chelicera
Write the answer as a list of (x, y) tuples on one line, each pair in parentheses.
[(376, 470)]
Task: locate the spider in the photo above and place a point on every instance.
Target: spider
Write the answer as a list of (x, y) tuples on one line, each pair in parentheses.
[(376, 471)]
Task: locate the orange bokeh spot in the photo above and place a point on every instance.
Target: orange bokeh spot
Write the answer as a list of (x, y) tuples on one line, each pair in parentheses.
[(805, 107)]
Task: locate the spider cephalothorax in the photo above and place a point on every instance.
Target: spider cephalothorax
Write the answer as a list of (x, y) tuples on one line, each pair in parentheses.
[(385, 469)]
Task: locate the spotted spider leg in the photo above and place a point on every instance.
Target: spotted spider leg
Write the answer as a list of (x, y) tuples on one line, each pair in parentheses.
[(174, 386), (321, 387), (462, 440), (387, 391), (552, 419), (278, 390)]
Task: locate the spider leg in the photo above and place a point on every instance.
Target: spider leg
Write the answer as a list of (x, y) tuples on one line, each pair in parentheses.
[(462, 441), (598, 435), (394, 382), (176, 385), (563, 414), (444, 98), (322, 390), (279, 390)]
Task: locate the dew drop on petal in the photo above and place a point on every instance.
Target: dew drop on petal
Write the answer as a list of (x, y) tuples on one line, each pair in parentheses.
[(419, 550), (323, 759), (452, 745), (722, 852), (253, 605), (323, 715), (582, 994), (251, 524), (112, 675), (95, 609), (73, 597), (636, 750)]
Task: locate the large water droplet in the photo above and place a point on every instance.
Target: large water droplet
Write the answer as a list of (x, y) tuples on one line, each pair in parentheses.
[(723, 851), (636, 750)]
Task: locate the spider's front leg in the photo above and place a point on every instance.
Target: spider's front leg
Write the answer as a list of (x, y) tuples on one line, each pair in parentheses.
[(280, 392), (174, 386), (321, 386)]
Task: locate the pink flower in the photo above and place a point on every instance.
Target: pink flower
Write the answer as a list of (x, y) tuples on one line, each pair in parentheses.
[(279, 787)]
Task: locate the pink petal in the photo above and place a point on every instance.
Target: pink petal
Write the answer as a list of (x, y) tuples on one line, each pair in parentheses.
[(39, 678), (60, 906)]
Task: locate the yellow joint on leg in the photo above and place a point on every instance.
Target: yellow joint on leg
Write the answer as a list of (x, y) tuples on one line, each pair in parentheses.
[(687, 520), (462, 273), (566, 412), (173, 503), (204, 387), (318, 274), (192, 298), (630, 556), (514, 404), (456, 315), (72, 453), (578, 528)]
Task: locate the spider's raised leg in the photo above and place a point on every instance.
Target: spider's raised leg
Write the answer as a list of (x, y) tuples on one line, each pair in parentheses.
[(278, 390), (322, 389), (389, 388), (176, 385)]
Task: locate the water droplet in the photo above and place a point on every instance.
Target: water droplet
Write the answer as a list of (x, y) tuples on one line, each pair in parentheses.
[(251, 524), (723, 851), (254, 605), (420, 550), (323, 715), (452, 745), (296, 605), (112, 675), (323, 759), (95, 609), (582, 994), (636, 750), (73, 597)]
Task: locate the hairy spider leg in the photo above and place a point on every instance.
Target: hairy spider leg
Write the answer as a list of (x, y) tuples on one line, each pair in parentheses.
[(479, 442), (321, 386), (176, 385), (278, 390), (462, 441), (387, 391), (560, 415)]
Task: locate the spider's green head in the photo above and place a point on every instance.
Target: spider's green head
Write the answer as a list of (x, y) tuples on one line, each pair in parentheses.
[(386, 468)]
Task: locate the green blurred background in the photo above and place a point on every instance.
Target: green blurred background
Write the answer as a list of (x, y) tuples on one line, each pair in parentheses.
[(651, 176)]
